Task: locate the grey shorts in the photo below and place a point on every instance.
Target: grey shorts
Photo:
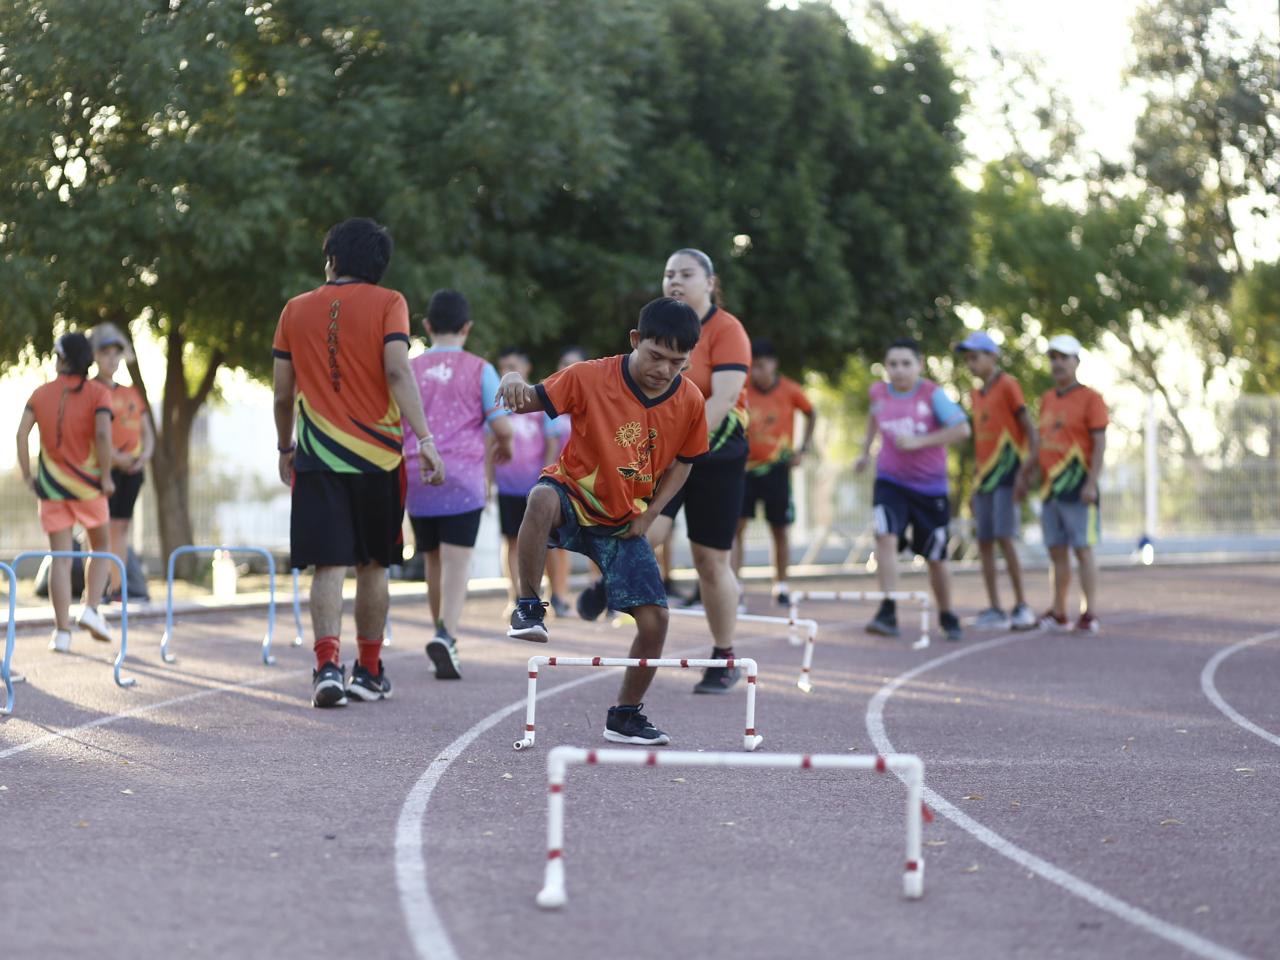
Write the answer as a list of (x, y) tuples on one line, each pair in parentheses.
[(1074, 524), (995, 514)]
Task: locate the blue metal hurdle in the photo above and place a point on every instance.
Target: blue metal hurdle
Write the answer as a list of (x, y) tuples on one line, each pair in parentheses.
[(297, 616), (267, 657), (124, 598)]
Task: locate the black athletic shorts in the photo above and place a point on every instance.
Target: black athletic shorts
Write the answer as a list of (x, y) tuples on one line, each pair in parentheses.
[(347, 519), (898, 507), (511, 512), (712, 498), (128, 486), (773, 489), (457, 530)]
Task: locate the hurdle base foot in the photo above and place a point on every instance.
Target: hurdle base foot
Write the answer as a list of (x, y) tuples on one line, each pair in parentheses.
[(552, 897), (922, 643), (524, 744), (795, 640), (804, 685), (297, 641), (749, 743), (913, 883)]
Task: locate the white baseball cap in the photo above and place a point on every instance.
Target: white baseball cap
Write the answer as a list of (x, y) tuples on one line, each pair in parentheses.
[(1064, 343)]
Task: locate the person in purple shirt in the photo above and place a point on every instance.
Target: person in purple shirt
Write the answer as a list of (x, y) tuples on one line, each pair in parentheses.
[(459, 396), (535, 442), (916, 422)]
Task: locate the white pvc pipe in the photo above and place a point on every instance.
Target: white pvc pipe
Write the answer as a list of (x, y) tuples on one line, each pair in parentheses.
[(907, 766), (856, 596), (793, 624), (750, 739)]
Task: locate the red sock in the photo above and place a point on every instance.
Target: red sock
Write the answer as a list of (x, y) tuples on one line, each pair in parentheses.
[(370, 653), (326, 651)]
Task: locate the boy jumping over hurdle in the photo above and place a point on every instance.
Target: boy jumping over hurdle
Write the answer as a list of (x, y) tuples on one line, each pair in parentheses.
[(637, 427)]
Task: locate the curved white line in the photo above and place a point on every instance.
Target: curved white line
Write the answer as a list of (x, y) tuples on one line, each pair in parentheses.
[(426, 929), (1191, 942), (1211, 690)]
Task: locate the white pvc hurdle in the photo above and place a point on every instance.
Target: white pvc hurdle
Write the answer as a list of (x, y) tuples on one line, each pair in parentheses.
[(920, 596), (750, 739), (908, 767), (793, 624)]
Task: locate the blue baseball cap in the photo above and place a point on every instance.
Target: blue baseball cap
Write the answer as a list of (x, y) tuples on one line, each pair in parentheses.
[(978, 341)]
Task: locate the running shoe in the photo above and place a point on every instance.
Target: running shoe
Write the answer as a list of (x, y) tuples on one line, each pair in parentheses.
[(742, 603), (629, 725), (559, 607), (885, 622), (993, 618), (91, 620), (1053, 623), (717, 680), (1022, 618), (1088, 623), (60, 640), (591, 602), (693, 601), (327, 686), (669, 586), (528, 621), (443, 651), (367, 686), (782, 594), (950, 624)]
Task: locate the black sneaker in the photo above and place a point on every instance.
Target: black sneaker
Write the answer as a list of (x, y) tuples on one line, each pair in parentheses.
[(717, 680), (694, 600), (629, 725), (327, 686), (528, 621), (443, 651), (365, 686), (591, 602), (950, 624), (885, 622)]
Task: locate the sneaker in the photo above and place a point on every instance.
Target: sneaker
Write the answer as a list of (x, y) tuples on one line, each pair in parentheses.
[(950, 625), (1053, 623), (443, 651), (559, 607), (993, 618), (60, 641), (669, 586), (717, 680), (1022, 618), (782, 594), (885, 622), (693, 601), (367, 686), (591, 603), (1088, 623), (629, 725), (742, 603), (527, 620), (327, 686), (91, 620)]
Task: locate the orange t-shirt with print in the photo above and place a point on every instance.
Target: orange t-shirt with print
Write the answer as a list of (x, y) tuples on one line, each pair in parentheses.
[(621, 441), (128, 410), (771, 432), (999, 440), (348, 421), (1067, 422), (66, 411), (722, 345)]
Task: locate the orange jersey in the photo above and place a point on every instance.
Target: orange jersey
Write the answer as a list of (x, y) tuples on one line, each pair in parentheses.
[(334, 335), (128, 410), (1066, 439), (66, 411), (621, 441), (722, 345), (999, 440), (771, 432)]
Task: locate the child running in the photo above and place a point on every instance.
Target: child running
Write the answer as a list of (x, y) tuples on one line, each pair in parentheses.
[(535, 443), (637, 427), (457, 390), (72, 479), (1005, 442), (917, 421)]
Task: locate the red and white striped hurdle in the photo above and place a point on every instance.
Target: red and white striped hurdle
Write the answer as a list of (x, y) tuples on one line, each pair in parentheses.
[(859, 596), (750, 739), (907, 767), (795, 627)]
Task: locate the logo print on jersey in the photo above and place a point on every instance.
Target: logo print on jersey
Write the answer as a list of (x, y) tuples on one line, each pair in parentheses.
[(443, 373), (629, 435)]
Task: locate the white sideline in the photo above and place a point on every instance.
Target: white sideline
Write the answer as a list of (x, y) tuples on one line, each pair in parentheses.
[(1211, 690), (1185, 939)]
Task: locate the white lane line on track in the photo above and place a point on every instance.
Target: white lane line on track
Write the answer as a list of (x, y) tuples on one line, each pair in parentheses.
[(426, 930), (1211, 690), (1191, 942)]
